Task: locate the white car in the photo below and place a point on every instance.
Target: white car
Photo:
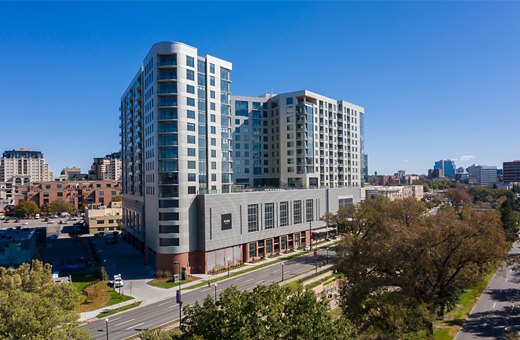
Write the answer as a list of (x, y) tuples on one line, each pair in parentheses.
[(118, 281), (25, 223)]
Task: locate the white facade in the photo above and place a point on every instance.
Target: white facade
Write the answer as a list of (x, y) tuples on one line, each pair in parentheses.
[(24, 166), (395, 192)]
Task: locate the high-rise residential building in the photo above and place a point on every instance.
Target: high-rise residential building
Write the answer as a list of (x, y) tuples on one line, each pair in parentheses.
[(24, 166), (68, 173), (447, 166), (205, 174), (482, 174), (107, 168), (511, 171)]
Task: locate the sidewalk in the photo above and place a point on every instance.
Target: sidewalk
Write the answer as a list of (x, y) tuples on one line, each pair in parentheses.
[(92, 314), (249, 266)]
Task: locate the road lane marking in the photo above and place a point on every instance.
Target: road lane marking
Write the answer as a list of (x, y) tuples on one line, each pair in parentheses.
[(171, 306), (164, 303), (122, 323), (494, 305), (114, 319), (259, 281), (247, 280), (134, 326)]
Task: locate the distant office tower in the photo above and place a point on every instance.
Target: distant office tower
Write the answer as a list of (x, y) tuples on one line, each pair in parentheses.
[(447, 166), (188, 147), (483, 174), (24, 166), (107, 168), (511, 171), (68, 173)]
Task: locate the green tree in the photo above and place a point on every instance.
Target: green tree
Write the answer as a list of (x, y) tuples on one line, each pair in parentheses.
[(26, 209), (411, 266), (116, 198), (266, 312), (32, 306), (59, 206)]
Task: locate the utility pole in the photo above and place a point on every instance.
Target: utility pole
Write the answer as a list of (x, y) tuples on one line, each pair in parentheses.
[(282, 271), (215, 285), (106, 324)]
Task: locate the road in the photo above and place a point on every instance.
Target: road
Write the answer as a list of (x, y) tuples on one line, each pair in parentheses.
[(497, 312), (133, 321)]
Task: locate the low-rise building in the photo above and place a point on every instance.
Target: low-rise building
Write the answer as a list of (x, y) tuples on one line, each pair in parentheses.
[(17, 246), (79, 193), (99, 218), (395, 192)]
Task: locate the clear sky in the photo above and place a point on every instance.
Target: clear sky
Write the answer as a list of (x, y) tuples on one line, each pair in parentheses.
[(437, 79)]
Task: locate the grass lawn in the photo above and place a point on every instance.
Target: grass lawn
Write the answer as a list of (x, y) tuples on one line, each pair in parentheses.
[(99, 295), (166, 283), (117, 310), (83, 280), (448, 328)]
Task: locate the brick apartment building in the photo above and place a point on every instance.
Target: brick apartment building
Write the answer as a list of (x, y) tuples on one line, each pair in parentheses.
[(79, 193)]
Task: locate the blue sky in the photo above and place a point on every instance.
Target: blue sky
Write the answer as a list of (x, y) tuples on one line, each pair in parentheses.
[(437, 79)]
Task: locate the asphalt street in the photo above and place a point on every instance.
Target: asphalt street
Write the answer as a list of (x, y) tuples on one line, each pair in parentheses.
[(130, 323), (497, 312)]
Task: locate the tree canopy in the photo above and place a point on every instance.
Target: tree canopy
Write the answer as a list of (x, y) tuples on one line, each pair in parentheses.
[(59, 206), (32, 306), (405, 265), (266, 312), (26, 209)]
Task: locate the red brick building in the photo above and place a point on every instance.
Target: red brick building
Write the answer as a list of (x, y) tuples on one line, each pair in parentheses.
[(79, 193)]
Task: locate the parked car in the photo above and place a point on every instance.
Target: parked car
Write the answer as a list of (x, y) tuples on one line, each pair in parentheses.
[(46, 219), (118, 281), (100, 234)]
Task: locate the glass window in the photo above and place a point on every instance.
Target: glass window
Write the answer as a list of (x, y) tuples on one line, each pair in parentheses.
[(241, 108), (269, 215), (224, 73), (190, 101), (168, 152), (190, 89), (192, 165), (284, 214), (191, 126), (190, 61), (297, 212), (192, 177), (212, 118), (309, 210), (191, 152), (212, 68), (168, 242), (213, 129), (167, 216), (212, 81), (344, 202), (212, 106), (252, 217), (168, 229), (190, 114), (190, 74), (289, 100), (191, 139), (165, 140), (252, 249), (168, 203), (212, 94), (268, 246)]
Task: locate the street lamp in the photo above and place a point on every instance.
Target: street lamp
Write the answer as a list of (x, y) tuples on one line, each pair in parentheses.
[(179, 296), (106, 323), (282, 271), (215, 285)]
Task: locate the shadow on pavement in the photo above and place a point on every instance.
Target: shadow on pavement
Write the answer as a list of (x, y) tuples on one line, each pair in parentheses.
[(496, 324)]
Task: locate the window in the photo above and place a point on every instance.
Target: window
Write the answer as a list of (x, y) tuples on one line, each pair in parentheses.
[(190, 74), (190, 101), (213, 141), (100, 222), (214, 177), (190, 114), (168, 216), (190, 89), (284, 214), (252, 249), (269, 215), (192, 177), (289, 100), (191, 127), (212, 68), (213, 154), (309, 212), (168, 229), (191, 152), (192, 190), (191, 139), (190, 61), (343, 202), (212, 94), (212, 106), (212, 81), (252, 217), (213, 118), (168, 203), (192, 165), (213, 130), (168, 242), (297, 212), (268, 246), (214, 165), (241, 108)]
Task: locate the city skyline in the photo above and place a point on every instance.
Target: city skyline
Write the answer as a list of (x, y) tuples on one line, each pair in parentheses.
[(419, 86)]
